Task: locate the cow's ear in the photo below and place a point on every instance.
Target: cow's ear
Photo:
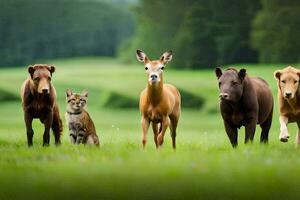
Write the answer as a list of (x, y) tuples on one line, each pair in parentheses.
[(31, 70), (277, 74), (242, 74), (218, 72)]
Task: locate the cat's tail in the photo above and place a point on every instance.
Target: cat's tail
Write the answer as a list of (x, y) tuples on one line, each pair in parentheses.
[(93, 140)]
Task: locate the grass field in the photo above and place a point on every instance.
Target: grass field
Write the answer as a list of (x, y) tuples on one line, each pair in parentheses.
[(204, 165)]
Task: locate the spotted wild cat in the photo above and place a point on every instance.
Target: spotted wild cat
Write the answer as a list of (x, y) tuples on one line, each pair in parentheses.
[(81, 127)]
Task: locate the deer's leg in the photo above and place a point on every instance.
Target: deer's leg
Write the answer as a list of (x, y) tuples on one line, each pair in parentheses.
[(284, 135), (155, 127), (164, 125), (145, 126), (173, 127)]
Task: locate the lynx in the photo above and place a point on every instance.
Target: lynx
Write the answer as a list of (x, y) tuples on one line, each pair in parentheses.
[(81, 127)]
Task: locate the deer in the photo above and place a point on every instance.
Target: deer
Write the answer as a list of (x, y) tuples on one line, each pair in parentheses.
[(160, 103)]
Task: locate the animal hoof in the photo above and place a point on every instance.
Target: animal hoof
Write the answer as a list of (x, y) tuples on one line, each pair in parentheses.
[(160, 140), (57, 144), (284, 139), (144, 143)]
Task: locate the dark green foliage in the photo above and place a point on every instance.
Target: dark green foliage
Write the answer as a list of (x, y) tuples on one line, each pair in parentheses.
[(6, 96), (39, 29), (157, 26), (190, 100), (231, 27), (201, 33), (117, 100), (194, 45), (276, 31)]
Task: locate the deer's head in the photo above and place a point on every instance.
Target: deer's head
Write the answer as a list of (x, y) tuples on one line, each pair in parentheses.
[(154, 69)]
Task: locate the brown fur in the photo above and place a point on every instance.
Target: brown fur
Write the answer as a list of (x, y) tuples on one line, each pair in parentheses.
[(288, 100), (159, 102), (39, 101), (245, 101)]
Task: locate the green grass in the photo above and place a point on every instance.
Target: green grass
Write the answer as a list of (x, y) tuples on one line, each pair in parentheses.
[(204, 165)]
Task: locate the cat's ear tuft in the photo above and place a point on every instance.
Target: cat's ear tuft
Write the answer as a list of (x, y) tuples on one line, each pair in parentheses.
[(69, 93), (85, 93)]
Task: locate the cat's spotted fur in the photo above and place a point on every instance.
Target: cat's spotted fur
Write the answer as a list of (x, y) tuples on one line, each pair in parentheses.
[(81, 127)]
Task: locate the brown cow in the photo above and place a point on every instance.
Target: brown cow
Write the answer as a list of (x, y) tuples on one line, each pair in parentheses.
[(288, 100), (159, 102), (245, 101), (39, 101)]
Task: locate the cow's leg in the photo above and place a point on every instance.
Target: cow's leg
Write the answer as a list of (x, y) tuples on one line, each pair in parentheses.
[(284, 135), (145, 126), (47, 123), (250, 130), (29, 131), (164, 125), (232, 133), (265, 128)]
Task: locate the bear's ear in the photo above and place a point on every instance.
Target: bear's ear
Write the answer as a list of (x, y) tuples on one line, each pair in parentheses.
[(242, 74), (218, 72), (85, 93), (277, 74), (69, 93), (31, 70), (52, 69)]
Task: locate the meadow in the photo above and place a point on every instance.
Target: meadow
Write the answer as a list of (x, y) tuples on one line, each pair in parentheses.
[(204, 166)]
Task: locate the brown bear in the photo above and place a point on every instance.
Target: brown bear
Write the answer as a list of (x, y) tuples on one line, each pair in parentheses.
[(39, 101)]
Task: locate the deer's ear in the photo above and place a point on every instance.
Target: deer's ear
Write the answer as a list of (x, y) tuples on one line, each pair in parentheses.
[(166, 57), (141, 56)]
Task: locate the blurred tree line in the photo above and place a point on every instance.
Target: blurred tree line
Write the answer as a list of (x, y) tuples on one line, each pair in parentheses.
[(202, 33), (276, 29), (39, 29), (205, 33)]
